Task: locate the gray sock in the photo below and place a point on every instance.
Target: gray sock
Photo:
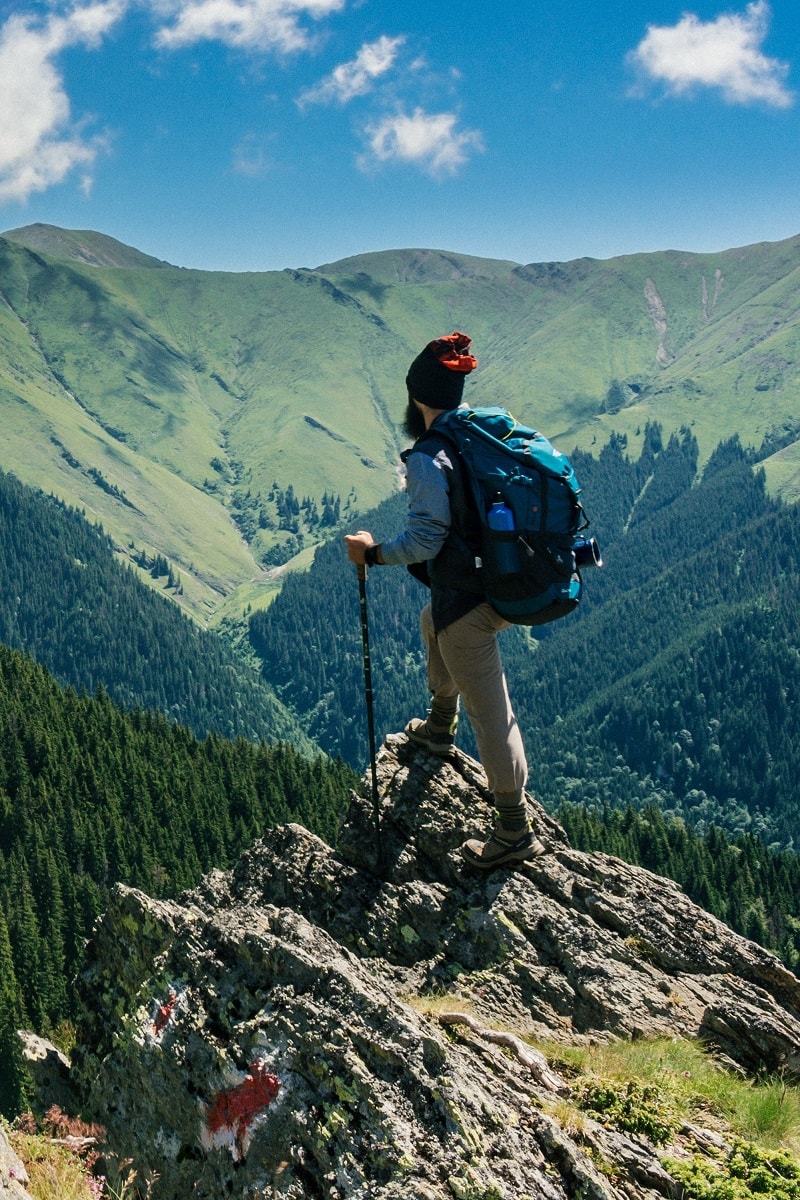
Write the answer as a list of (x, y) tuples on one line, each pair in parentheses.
[(443, 715), (512, 814)]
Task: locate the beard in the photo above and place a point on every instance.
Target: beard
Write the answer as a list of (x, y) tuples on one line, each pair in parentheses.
[(414, 422)]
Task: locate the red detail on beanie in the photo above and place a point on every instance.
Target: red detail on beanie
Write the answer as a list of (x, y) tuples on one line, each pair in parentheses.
[(451, 352)]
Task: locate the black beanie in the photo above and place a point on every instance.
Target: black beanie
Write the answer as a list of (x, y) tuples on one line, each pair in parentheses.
[(436, 376)]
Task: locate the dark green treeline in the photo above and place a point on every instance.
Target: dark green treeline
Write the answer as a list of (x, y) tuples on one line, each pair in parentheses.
[(66, 600), (91, 795)]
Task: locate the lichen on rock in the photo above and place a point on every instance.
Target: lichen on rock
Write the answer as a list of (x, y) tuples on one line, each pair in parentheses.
[(262, 1035)]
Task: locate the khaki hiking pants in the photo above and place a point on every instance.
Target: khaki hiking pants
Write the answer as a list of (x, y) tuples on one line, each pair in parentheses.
[(464, 660)]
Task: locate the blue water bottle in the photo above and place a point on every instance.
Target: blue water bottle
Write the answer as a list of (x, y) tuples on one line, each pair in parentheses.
[(501, 518)]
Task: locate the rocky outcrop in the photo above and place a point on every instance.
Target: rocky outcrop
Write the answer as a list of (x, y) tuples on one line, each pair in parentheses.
[(49, 1071), (13, 1176), (352, 1023), (658, 315)]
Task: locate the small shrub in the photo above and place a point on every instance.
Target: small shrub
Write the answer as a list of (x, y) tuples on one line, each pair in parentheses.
[(632, 1108), (745, 1173), (64, 1158)]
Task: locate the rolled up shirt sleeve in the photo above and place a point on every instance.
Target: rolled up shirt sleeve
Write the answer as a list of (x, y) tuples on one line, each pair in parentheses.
[(428, 522)]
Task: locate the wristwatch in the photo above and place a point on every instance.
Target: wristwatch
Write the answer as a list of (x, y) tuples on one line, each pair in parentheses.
[(371, 555)]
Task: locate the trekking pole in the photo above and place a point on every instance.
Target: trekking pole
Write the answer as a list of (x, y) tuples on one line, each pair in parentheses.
[(362, 597)]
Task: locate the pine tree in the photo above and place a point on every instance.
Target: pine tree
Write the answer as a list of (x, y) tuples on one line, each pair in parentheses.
[(14, 1080)]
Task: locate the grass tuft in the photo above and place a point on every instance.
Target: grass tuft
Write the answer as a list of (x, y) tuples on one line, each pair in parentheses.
[(65, 1160)]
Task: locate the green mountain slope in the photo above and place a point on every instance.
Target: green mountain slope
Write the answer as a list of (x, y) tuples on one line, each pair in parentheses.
[(80, 245), (228, 421), (66, 601)]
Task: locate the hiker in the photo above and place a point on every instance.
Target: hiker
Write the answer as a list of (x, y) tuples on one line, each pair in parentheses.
[(459, 628)]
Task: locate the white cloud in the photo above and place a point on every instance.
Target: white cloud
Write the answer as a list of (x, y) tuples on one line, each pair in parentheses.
[(354, 78), (250, 157), (725, 54), (246, 24), (428, 140), (40, 144)]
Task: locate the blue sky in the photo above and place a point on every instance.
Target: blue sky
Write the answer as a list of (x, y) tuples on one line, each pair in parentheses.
[(261, 134)]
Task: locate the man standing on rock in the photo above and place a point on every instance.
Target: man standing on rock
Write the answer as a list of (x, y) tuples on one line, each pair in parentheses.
[(459, 628)]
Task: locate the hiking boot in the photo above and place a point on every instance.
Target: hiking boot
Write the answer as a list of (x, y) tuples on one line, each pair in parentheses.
[(436, 741), (501, 852)]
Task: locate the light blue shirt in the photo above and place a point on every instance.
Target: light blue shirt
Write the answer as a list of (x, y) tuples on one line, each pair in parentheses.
[(428, 522)]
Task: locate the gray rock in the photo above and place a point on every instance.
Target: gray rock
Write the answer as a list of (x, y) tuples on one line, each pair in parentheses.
[(13, 1176), (262, 1036), (49, 1070)]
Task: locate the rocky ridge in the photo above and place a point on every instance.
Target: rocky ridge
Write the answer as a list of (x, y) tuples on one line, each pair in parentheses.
[(268, 1034)]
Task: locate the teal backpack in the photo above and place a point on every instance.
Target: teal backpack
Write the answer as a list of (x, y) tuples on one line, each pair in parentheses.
[(531, 517)]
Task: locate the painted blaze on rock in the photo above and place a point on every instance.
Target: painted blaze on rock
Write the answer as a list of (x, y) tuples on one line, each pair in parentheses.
[(164, 1012), (230, 1115)]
